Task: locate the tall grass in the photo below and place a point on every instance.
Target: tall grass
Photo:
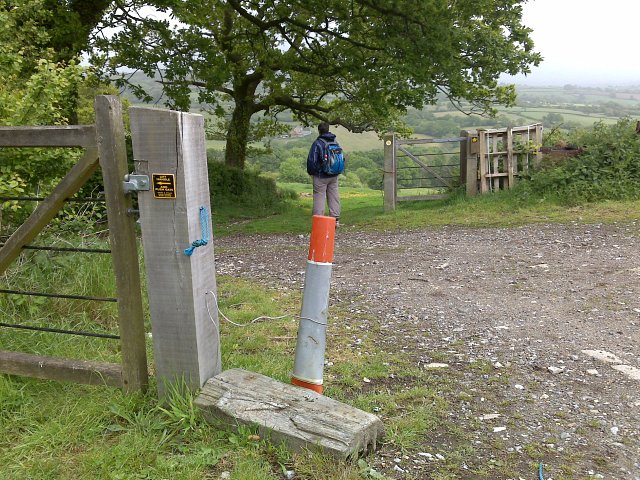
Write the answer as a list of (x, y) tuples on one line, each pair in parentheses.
[(362, 209)]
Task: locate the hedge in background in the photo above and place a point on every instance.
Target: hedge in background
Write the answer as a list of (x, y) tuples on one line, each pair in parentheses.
[(245, 188), (607, 169)]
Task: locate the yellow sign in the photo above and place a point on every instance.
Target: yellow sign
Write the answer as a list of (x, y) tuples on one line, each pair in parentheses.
[(164, 185)]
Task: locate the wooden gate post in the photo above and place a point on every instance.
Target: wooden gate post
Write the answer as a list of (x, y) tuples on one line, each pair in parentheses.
[(124, 245), (170, 148), (389, 179), (469, 161), (538, 142)]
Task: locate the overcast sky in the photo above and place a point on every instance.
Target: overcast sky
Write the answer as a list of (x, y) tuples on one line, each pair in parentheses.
[(584, 42)]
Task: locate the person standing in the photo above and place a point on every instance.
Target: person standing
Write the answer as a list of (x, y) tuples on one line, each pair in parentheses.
[(325, 186)]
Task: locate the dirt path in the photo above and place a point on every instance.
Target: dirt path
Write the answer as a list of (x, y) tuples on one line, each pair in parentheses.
[(537, 326)]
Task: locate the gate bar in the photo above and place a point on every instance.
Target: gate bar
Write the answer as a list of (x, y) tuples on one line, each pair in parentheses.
[(48, 209), (56, 295), (48, 136), (429, 140), (60, 330), (61, 369)]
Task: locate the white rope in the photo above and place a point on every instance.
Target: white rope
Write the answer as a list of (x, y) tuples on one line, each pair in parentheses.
[(257, 319)]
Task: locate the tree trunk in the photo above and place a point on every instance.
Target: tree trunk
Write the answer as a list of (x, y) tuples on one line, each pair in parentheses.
[(238, 134)]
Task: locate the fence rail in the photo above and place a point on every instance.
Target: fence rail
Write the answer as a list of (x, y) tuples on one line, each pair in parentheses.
[(495, 158)]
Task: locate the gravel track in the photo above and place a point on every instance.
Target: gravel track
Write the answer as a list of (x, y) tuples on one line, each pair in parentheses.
[(553, 311)]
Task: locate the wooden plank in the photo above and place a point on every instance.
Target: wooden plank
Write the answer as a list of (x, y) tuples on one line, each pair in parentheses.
[(469, 175), (425, 166), (464, 162), (298, 417), (421, 141), (482, 160), (525, 128), (113, 161), (510, 158), (48, 136), (495, 162), (389, 176), (411, 198), (538, 140), (499, 174), (185, 338), (49, 208), (61, 369)]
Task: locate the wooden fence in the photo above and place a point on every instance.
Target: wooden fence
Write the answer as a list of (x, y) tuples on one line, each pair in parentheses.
[(493, 159), (104, 147)]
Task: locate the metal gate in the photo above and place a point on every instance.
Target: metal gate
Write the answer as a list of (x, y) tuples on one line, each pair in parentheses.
[(420, 169)]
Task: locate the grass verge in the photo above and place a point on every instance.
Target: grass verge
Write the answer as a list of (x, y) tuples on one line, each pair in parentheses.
[(362, 209)]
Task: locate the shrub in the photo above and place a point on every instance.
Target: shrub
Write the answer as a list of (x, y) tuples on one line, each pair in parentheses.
[(293, 170), (245, 188), (607, 169)]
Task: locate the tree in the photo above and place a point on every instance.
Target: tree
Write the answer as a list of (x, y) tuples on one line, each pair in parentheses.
[(57, 30), (359, 64), (70, 25), (37, 87), (33, 91), (553, 119)]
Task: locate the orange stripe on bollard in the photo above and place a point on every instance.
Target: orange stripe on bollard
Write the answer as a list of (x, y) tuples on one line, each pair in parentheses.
[(310, 386), (323, 232)]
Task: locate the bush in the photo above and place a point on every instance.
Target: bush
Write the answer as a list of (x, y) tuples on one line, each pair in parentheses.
[(351, 180), (245, 188), (608, 168), (294, 170)]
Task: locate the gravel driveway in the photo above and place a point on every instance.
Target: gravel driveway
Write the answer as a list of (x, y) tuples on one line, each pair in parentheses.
[(553, 311)]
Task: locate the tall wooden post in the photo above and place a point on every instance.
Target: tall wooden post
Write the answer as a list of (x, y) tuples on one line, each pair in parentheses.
[(124, 245), (538, 140), (510, 159), (170, 148), (482, 160), (389, 179), (469, 161)]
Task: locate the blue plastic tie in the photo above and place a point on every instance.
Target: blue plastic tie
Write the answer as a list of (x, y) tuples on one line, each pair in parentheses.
[(204, 224), (541, 472)]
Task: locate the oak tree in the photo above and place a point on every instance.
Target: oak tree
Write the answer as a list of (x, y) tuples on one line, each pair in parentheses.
[(355, 63)]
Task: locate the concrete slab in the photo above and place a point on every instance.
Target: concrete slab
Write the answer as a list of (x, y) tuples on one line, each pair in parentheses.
[(296, 416)]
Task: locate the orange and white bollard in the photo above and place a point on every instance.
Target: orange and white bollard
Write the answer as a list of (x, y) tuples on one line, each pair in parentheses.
[(308, 366)]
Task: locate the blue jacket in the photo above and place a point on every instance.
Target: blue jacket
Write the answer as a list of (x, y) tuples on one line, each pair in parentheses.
[(314, 159)]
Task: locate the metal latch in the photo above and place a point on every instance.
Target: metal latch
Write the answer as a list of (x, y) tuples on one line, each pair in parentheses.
[(135, 183)]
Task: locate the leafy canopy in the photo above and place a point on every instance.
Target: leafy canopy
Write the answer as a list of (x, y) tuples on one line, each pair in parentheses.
[(34, 90), (356, 63), (38, 86)]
